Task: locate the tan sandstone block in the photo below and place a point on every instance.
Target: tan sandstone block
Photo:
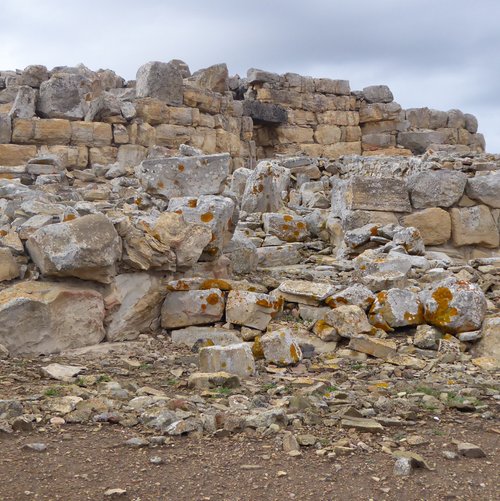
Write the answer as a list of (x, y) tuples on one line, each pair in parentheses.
[(91, 133), (474, 226), (152, 111), (15, 154), (291, 134), (327, 134), (434, 225), (103, 155), (52, 131)]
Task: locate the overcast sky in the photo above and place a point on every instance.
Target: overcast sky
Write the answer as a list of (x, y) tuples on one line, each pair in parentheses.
[(442, 54)]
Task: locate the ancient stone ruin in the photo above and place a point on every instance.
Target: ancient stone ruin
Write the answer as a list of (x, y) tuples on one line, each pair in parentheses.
[(267, 222)]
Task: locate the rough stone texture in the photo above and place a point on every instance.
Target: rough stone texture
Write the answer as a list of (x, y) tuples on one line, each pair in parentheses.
[(265, 112), (378, 94), (279, 347), (86, 248), (264, 188), (434, 225), (474, 225), (454, 306), (486, 189), (251, 309), (396, 308), (44, 317), (441, 188), (349, 321), (364, 193), (9, 269), (24, 104), (181, 309), (356, 294), (489, 345), (184, 176), (380, 348), (427, 337), (287, 227), (214, 78), (235, 359), (160, 80), (304, 291), (133, 306), (419, 141), (215, 335), (16, 154)]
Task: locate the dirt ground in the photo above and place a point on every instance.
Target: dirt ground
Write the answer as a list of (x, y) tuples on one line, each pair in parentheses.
[(81, 463)]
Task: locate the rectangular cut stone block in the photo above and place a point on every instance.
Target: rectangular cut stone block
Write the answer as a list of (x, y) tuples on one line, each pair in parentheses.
[(5, 128), (184, 176), (91, 134), (474, 226), (379, 111), (44, 131), (370, 193), (235, 359), (15, 154)]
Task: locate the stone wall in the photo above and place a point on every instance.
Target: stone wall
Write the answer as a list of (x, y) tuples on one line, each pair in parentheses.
[(92, 118)]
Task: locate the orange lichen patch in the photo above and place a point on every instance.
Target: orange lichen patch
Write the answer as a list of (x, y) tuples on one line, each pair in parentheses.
[(415, 318), (333, 302), (275, 305), (4, 175), (287, 218), (374, 231), (157, 236), (212, 251), (213, 298), (321, 326), (69, 217), (180, 285), (161, 184), (257, 350), (223, 365), (378, 322), (285, 227), (178, 211), (181, 168), (443, 314), (207, 217), (138, 201), (3, 233), (193, 202), (301, 225), (216, 283), (260, 188), (294, 354), (203, 307), (296, 233)]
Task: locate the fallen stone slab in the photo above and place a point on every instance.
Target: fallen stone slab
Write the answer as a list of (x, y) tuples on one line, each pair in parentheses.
[(47, 317), (363, 425), (205, 380), (62, 372), (251, 309), (235, 359), (280, 347), (379, 348), (305, 291)]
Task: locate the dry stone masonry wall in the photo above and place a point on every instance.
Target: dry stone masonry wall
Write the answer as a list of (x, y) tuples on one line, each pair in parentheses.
[(145, 207)]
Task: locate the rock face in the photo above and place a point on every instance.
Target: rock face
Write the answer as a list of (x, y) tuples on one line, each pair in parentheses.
[(434, 224), (9, 269), (474, 225), (44, 317), (454, 306), (160, 80), (184, 176), (440, 188), (485, 189), (86, 248)]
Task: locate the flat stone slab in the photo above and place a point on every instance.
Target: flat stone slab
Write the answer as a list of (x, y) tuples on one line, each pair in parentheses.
[(218, 336)]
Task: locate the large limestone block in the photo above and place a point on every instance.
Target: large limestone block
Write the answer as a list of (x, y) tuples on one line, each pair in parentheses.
[(214, 78), (264, 188), (189, 336), (434, 225), (378, 94), (9, 269), (287, 227), (24, 104), (133, 306), (474, 226), (327, 134), (160, 80), (186, 239), (234, 358), (277, 255), (280, 347), (242, 253), (425, 118), (184, 176), (185, 308), (87, 247), (214, 211), (396, 308), (152, 111), (489, 344), (251, 309), (16, 154), (63, 96), (440, 188), (265, 112), (379, 348), (379, 111), (43, 317), (91, 134), (287, 134), (348, 320), (370, 193), (454, 306), (305, 291), (486, 189), (419, 141)]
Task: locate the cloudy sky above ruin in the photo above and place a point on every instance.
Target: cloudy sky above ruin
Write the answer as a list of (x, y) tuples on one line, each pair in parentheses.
[(442, 54)]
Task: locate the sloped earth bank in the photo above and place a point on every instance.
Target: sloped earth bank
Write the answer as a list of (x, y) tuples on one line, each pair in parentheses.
[(86, 454)]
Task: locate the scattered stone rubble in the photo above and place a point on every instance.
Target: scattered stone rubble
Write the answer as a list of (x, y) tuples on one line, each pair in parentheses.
[(284, 287)]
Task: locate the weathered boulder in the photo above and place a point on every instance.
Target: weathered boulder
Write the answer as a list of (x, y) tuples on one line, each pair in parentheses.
[(411, 240), (474, 226), (356, 294), (287, 227), (234, 358), (279, 347), (304, 291), (363, 193), (427, 337), (63, 96), (24, 104), (251, 309), (242, 253), (87, 247), (184, 308), (396, 308), (214, 78), (349, 321), (419, 141), (133, 306), (378, 94), (216, 212), (264, 188), (43, 317), (486, 189), (264, 112), (184, 176), (434, 225), (436, 188), (9, 269), (160, 80), (454, 306)]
